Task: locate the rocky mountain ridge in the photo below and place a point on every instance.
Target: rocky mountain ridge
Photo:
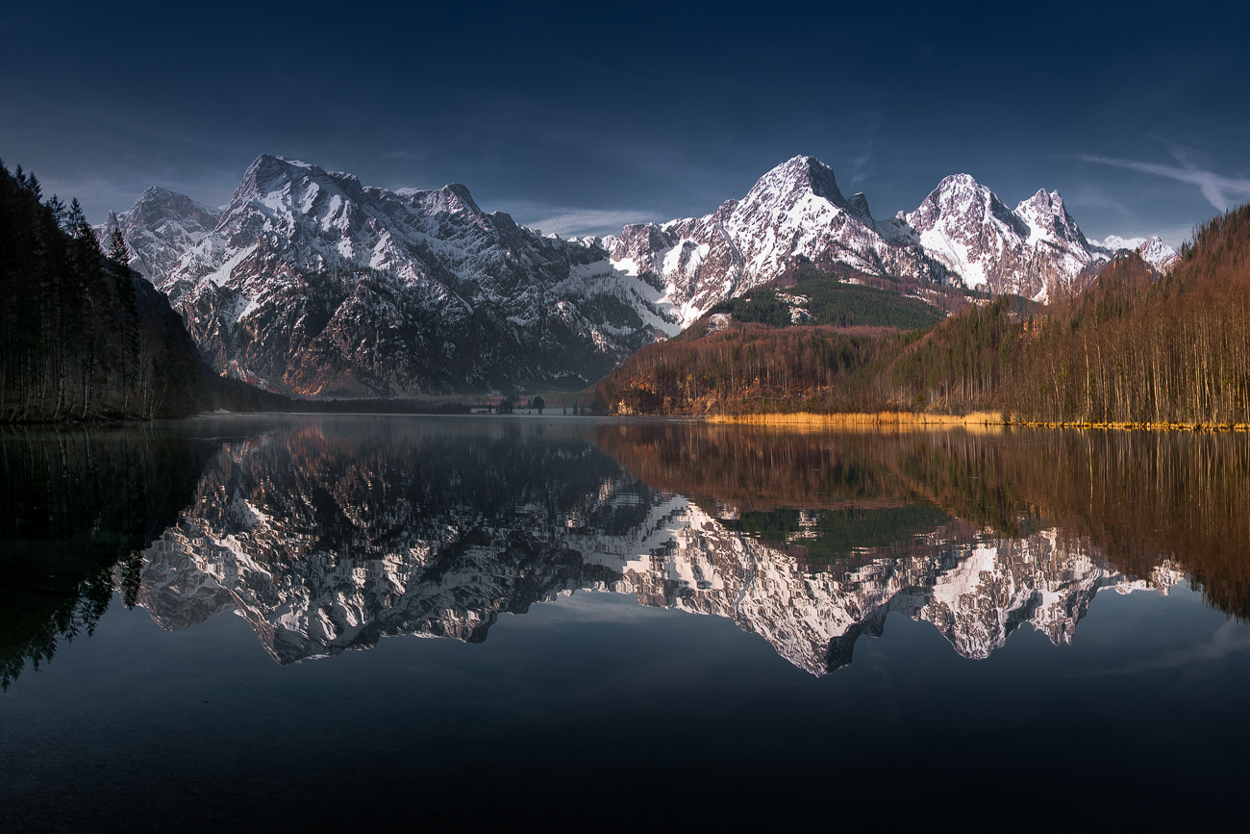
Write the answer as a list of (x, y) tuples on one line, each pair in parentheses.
[(309, 282), (794, 214), (159, 229), (1032, 250), (961, 234), (312, 283)]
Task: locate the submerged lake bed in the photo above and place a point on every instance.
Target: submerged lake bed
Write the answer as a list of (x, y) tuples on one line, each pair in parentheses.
[(629, 623)]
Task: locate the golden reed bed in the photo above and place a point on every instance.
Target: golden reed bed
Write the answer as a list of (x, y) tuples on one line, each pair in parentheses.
[(905, 421), (898, 420)]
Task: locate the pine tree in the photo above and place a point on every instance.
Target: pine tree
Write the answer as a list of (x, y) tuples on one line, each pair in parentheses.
[(77, 221), (118, 253), (58, 210)]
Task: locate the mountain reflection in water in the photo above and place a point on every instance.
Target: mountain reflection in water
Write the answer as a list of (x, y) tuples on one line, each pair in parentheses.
[(329, 534)]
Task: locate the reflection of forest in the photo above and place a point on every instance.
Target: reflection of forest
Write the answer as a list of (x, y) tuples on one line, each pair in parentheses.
[(326, 542), (75, 504), (327, 536), (1142, 499)]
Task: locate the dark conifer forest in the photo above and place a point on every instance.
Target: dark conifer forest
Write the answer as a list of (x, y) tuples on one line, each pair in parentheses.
[(85, 338), (82, 336)]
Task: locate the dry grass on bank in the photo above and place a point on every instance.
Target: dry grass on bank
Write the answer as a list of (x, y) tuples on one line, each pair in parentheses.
[(910, 421), (899, 420)]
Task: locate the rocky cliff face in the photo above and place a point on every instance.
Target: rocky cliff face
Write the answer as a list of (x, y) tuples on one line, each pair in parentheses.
[(159, 229), (314, 284), (1033, 250), (328, 543), (794, 214)]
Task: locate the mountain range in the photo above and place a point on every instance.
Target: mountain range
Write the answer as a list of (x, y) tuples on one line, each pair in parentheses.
[(309, 282)]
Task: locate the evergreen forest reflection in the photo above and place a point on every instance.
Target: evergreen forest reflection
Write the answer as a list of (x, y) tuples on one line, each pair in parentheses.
[(327, 534)]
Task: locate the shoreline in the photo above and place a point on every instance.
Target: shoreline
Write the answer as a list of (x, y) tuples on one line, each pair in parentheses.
[(980, 420)]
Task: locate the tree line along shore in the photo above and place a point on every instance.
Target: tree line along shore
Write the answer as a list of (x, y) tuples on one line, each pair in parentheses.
[(1134, 349), (84, 337)]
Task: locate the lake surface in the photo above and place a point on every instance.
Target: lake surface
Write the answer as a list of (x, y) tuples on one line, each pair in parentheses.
[(213, 625)]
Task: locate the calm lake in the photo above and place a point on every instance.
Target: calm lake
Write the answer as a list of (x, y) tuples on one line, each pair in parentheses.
[(213, 625)]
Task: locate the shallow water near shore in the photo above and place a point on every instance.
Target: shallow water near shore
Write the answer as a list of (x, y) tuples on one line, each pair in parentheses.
[(215, 624)]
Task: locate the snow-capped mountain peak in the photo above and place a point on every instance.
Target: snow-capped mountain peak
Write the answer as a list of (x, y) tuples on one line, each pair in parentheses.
[(314, 283), (795, 178), (1158, 254), (1048, 220), (793, 214), (960, 198), (450, 199), (1029, 251), (159, 228)]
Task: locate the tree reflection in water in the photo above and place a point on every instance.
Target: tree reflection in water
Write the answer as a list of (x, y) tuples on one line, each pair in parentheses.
[(327, 535), (74, 505)]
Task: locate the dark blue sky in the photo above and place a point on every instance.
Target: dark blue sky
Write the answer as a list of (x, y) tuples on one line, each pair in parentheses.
[(581, 117)]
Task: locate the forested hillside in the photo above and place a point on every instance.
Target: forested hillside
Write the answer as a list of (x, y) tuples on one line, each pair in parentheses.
[(812, 296), (1130, 349), (82, 336), (1133, 348), (755, 369)]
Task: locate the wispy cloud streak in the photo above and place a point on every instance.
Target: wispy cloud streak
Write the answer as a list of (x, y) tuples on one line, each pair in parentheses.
[(586, 221), (1226, 640), (565, 220), (1217, 189), (861, 165)]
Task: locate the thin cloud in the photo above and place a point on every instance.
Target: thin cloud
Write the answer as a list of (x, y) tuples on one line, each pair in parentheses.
[(860, 169), (861, 165), (1093, 197), (1226, 640), (585, 221), (1218, 190)]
